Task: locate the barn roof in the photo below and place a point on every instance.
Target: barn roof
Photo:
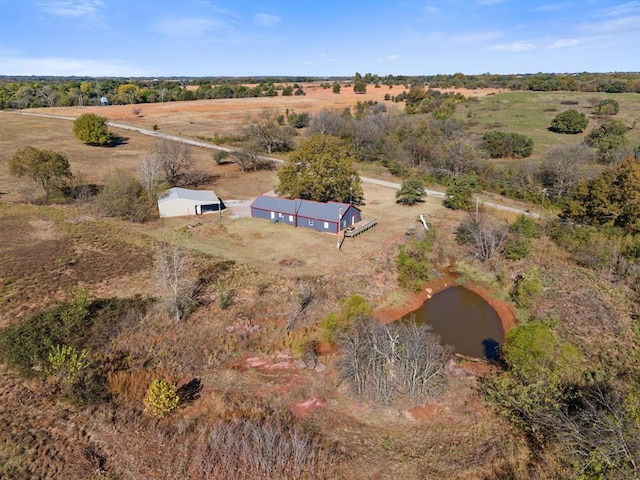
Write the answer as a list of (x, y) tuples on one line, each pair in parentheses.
[(195, 196), (304, 208)]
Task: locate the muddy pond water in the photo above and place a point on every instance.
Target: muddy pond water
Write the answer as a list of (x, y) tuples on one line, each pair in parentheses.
[(464, 321)]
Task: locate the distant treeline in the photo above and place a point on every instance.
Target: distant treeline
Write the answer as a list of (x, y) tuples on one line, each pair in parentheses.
[(46, 91)]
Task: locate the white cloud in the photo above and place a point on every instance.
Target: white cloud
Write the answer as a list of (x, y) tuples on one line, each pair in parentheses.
[(71, 8), (622, 9), (65, 66), (515, 47), (551, 7), (392, 57), (615, 26), (188, 26), (266, 20), (489, 2), (564, 42)]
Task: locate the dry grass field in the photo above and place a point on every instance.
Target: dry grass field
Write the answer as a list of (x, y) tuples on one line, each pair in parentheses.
[(243, 352), (208, 118)]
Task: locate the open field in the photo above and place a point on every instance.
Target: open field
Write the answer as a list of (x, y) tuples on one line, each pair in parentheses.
[(210, 118), (282, 282), (530, 113)]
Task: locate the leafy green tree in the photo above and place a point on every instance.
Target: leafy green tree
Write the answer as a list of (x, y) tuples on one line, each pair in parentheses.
[(570, 121), (608, 106), (411, 192), (613, 198), (321, 169), (359, 86), (336, 87), (608, 140), (161, 398), (49, 169), (459, 195), (507, 145), (287, 91), (92, 129), (533, 392), (129, 92)]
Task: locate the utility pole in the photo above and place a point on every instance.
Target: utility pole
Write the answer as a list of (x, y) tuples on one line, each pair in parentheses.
[(477, 205), (544, 192)]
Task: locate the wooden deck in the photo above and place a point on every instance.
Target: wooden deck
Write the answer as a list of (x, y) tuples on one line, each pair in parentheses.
[(360, 227)]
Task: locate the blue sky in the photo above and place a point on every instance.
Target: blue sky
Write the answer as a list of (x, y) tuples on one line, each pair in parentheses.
[(316, 37)]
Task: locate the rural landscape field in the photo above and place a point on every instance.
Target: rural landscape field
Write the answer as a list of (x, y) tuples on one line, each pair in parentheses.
[(227, 346)]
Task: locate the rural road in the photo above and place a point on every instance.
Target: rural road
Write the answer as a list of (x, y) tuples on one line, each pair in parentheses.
[(197, 143)]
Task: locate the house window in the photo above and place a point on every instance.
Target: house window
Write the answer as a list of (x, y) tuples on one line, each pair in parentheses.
[(326, 225), (291, 218), (311, 222)]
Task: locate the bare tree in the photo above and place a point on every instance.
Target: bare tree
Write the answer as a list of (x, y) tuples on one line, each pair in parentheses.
[(48, 94), (328, 123), (385, 362), (562, 165), (266, 132), (176, 162), (487, 238), (151, 170), (173, 276)]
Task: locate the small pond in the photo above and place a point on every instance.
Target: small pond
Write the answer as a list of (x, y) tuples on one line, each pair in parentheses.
[(464, 321)]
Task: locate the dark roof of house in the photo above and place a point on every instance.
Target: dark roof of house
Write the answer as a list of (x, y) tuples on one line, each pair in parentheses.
[(275, 204), (329, 211)]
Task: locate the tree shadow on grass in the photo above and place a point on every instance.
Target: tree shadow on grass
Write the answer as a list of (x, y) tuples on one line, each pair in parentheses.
[(189, 392)]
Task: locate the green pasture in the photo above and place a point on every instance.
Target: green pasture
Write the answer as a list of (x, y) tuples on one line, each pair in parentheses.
[(530, 113)]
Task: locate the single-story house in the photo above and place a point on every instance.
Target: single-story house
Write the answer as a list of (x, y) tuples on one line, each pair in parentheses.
[(329, 217), (178, 202)]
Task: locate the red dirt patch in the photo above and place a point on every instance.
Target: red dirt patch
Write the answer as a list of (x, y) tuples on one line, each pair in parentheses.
[(303, 408), (421, 412)]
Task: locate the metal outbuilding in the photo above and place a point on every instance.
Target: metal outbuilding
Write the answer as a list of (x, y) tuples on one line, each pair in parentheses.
[(178, 202)]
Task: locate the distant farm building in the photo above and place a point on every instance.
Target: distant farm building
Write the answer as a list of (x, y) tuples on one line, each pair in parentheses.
[(329, 217), (178, 202)]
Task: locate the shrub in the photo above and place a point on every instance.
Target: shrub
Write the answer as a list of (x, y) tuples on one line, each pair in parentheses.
[(569, 121), (25, 346), (161, 399), (517, 247), (299, 120), (507, 145), (411, 192), (527, 287), (413, 264), (123, 197), (607, 106), (337, 323), (92, 129), (65, 363)]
